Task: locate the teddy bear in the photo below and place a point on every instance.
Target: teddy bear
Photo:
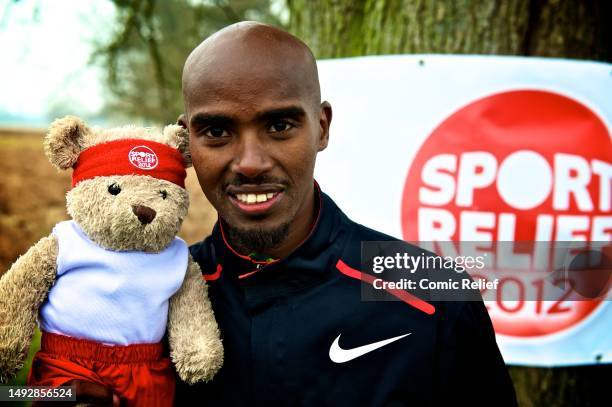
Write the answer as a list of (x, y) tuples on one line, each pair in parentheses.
[(107, 286)]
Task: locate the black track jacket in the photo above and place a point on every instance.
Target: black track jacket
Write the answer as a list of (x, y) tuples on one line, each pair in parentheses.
[(278, 324)]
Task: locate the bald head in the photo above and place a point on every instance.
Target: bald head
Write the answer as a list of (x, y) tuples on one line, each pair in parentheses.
[(248, 52)]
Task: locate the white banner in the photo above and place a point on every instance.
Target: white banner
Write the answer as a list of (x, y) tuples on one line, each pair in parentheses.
[(476, 148)]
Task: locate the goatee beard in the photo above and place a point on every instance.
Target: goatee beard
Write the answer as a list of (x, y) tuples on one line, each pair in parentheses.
[(256, 240)]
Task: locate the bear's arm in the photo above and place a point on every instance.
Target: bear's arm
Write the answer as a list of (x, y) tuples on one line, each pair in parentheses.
[(195, 345), (22, 290)]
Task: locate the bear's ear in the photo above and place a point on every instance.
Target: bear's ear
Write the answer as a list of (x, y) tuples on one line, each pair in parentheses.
[(176, 136), (64, 142)]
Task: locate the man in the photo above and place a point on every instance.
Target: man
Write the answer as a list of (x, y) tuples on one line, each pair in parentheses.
[(282, 261)]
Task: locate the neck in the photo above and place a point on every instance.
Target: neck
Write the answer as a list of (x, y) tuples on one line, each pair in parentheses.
[(299, 229)]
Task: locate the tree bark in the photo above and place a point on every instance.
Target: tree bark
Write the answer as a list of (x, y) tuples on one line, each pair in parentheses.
[(552, 28)]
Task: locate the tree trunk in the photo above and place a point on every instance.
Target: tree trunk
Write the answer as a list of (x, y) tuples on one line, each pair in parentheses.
[(551, 28)]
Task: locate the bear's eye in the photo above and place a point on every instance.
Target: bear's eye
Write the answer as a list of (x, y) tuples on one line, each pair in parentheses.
[(163, 194), (114, 189)]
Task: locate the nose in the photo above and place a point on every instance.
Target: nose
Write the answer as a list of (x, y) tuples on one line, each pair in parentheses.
[(144, 214), (252, 158)]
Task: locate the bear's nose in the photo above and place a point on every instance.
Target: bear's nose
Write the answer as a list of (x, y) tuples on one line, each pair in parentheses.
[(144, 214)]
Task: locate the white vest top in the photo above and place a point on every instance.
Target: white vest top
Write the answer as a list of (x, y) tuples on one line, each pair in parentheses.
[(112, 297)]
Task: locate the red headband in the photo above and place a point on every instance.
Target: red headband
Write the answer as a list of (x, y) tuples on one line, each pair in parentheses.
[(130, 157)]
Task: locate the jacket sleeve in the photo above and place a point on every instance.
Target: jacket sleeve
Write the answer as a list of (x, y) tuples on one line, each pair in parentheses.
[(471, 370)]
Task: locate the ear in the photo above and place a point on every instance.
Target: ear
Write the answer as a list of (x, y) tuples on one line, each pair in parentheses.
[(64, 142), (178, 137), (324, 123)]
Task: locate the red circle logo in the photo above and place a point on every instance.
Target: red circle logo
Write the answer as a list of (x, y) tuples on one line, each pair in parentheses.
[(523, 165), (143, 157)]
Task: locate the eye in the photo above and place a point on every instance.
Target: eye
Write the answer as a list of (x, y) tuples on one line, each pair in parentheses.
[(280, 126), (114, 189), (215, 132), (163, 194)]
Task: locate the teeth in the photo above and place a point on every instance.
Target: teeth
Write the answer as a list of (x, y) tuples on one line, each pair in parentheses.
[(254, 198)]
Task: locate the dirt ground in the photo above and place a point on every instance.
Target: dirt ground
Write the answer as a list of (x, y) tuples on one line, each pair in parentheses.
[(32, 197)]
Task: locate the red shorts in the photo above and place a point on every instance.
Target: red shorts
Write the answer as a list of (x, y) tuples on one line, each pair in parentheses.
[(138, 374)]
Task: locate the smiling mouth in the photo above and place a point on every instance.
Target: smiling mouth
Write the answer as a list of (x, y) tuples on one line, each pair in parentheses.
[(250, 199), (255, 200)]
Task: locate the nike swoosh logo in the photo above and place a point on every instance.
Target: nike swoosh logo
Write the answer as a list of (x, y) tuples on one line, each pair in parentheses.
[(339, 355)]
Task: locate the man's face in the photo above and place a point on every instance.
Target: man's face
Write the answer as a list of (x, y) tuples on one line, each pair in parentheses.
[(254, 136)]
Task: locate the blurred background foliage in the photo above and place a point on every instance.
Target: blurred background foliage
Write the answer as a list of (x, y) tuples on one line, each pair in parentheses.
[(143, 57)]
